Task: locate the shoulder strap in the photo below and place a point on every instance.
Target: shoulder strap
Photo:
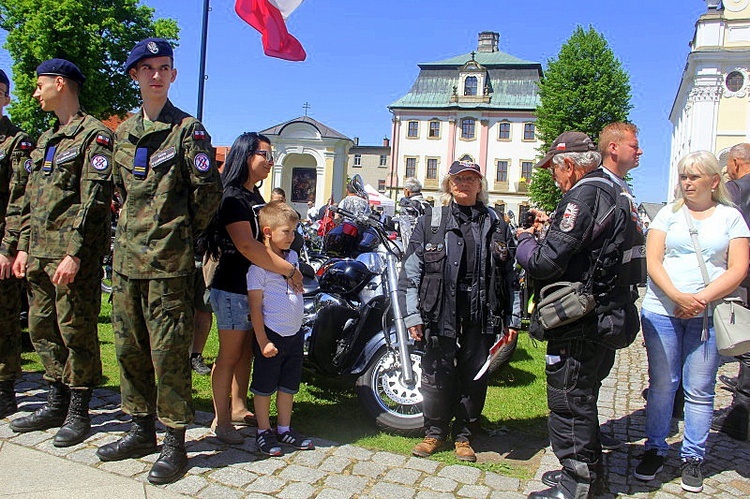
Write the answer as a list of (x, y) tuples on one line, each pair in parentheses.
[(701, 264), (696, 246), (436, 219)]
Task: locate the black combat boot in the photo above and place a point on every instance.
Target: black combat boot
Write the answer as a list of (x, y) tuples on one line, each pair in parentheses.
[(7, 398), (173, 460), (138, 442), (50, 415), (577, 480), (77, 423)]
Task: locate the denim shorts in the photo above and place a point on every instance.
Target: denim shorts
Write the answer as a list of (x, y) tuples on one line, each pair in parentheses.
[(231, 310)]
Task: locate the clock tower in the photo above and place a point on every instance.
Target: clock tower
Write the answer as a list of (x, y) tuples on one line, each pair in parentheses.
[(712, 108)]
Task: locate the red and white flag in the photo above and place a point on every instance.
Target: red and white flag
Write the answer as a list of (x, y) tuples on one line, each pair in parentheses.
[(268, 16)]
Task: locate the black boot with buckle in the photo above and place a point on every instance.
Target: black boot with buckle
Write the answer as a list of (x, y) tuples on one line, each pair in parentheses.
[(139, 441), (7, 398), (173, 460), (77, 423), (50, 415)]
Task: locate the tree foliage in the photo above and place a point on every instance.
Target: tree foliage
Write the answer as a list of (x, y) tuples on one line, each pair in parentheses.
[(97, 35), (584, 89)]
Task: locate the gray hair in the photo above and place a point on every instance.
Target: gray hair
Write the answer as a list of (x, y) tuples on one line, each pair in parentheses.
[(587, 161), (740, 151), (413, 185), (447, 196)]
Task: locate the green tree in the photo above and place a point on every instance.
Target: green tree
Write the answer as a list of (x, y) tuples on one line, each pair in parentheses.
[(97, 35), (584, 89)]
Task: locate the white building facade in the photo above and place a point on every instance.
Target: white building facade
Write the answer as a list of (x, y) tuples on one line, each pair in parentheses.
[(712, 108), (477, 107)]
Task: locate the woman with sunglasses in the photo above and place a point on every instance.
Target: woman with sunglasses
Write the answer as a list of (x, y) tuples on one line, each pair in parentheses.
[(235, 239)]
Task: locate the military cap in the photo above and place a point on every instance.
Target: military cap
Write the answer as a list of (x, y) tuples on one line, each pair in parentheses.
[(4, 79), (61, 67), (150, 47), (567, 142)]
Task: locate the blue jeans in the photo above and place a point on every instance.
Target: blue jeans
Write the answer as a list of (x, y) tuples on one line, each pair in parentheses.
[(675, 351)]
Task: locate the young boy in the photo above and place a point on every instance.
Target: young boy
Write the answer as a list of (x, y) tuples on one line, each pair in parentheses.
[(276, 313)]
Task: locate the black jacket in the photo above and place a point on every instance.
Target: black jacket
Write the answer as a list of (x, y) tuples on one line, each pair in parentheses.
[(440, 317), (590, 232)]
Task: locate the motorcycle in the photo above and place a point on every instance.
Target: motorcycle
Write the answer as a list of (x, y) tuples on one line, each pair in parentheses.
[(354, 326)]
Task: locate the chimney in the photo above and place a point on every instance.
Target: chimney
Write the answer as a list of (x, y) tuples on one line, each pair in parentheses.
[(386, 142), (489, 41), (356, 141)]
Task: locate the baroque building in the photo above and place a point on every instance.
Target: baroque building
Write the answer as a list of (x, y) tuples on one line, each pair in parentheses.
[(478, 107), (712, 108)]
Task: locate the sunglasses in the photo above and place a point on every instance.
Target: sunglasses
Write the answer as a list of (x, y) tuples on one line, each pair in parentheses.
[(266, 154)]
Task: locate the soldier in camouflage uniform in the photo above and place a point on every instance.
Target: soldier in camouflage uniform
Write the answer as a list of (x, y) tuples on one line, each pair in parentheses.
[(64, 236), (15, 150), (166, 173)]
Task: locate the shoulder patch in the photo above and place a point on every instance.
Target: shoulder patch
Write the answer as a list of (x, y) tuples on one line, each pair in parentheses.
[(100, 162), (568, 221), (27, 165), (25, 146), (199, 135), (103, 140), (202, 162)]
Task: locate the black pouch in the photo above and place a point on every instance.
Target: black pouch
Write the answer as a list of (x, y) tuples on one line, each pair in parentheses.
[(618, 328), (431, 288)]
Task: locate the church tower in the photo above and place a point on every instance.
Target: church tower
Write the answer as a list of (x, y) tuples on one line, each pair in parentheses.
[(712, 108)]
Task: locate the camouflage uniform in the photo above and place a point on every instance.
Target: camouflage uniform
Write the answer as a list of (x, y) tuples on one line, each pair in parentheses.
[(15, 151), (67, 212), (171, 189)]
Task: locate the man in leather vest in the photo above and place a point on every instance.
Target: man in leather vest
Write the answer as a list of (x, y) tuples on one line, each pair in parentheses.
[(735, 421), (589, 233)]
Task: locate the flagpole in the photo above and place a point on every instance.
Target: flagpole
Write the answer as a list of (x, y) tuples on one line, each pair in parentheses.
[(202, 77)]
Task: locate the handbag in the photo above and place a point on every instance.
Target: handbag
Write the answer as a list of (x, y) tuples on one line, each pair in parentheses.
[(731, 318)]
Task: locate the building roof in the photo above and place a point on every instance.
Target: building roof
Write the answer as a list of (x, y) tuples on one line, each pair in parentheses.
[(484, 58), (509, 89), (325, 131)]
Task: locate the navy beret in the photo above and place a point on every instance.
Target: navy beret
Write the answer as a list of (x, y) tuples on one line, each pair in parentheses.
[(61, 67), (4, 78), (150, 47)]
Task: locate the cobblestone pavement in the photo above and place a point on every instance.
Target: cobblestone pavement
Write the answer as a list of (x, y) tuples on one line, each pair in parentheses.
[(348, 471)]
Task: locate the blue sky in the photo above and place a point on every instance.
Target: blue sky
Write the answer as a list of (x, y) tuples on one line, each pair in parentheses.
[(363, 55)]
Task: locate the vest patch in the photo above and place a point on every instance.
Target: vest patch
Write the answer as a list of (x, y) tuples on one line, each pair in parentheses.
[(568, 221)]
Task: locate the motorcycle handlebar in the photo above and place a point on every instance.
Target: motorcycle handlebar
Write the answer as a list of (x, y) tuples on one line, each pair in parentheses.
[(369, 222)]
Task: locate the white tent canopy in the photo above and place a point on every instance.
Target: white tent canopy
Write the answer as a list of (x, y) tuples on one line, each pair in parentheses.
[(378, 199)]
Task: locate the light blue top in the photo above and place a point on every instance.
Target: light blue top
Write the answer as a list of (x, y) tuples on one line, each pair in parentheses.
[(714, 233)]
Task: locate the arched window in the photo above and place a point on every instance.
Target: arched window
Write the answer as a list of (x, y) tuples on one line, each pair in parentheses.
[(470, 85)]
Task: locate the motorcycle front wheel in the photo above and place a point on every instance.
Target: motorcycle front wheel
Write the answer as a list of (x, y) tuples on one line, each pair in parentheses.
[(395, 406)]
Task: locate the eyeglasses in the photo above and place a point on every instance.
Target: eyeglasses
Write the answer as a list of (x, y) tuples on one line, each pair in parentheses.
[(266, 154), (465, 179)]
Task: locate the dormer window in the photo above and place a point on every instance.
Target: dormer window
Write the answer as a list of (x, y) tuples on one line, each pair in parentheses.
[(470, 85), (473, 83)]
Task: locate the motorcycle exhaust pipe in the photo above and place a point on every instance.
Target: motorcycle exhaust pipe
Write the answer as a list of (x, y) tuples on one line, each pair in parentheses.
[(401, 334)]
